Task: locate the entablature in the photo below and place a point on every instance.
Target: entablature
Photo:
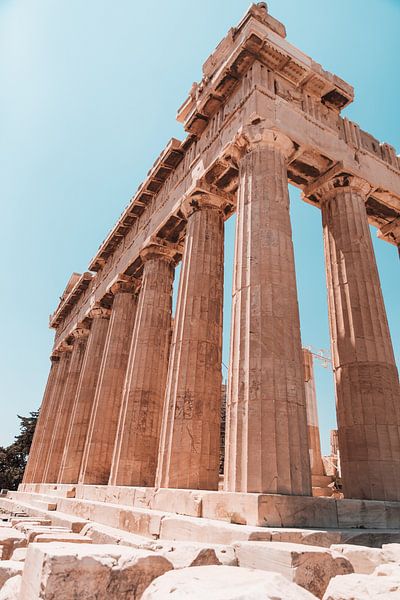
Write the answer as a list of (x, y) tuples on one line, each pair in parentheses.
[(293, 103), (162, 168), (67, 301)]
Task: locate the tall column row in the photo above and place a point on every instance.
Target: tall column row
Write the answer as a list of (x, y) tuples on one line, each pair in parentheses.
[(36, 450), (65, 397), (132, 400), (99, 445)]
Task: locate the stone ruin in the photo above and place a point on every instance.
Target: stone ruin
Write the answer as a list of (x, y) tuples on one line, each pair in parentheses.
[(122, 496)]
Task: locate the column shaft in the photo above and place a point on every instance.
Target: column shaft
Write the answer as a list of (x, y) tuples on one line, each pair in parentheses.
[(314, 442), (100, 441), (66, 398), (83, 402), (189, 447), (35, 453), (135, 454), (266, 445), (65, 359), (367, 386)]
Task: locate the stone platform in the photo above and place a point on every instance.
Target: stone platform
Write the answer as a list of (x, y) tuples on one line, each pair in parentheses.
[(260, 510)]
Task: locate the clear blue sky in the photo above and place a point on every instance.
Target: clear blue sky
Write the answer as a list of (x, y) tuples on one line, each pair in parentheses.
[(89, 93)]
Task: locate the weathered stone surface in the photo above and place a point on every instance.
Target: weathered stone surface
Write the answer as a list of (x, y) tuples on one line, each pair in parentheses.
[(136, 520), (205, 530), (89, 572), (9, 568), (391, 552), (272, 510), (32, 532), (11, 589), (181, 553), (103, 534), (186, 502), (306, 536), (363, 513), (309, 567), (19, 554), (388, 570), (61, 537), (9, 540), (373, 538), (363, 587), (21, 525), (224, 583), (362, 558), (193, 554)]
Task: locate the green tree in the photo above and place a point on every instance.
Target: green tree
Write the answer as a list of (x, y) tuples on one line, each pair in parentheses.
[(13, 458)]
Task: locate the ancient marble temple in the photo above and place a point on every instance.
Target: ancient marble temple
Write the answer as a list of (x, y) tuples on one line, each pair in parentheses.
[(134, 399)]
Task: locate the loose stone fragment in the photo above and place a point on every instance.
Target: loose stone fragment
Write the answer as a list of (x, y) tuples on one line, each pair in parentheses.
[(224, 583), (19, 554), (9, 540), (391, 552), (192, 554), (9, 568), (363, 587), (309, 566), (388, 569), (11, 589), (362, 558), (101, 572)]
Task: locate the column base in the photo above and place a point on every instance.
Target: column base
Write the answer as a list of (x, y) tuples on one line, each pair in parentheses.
[(265, 510)]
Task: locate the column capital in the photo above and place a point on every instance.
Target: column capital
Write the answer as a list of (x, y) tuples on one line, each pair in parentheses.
[(99, 312), (125, 284), (256, 134), (334, 180), (64, 347), (202, 199), (61, 349), (157, 248), (80, 331)]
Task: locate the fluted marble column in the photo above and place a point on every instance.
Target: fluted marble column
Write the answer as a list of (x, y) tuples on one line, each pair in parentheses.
[(65, 358), (314, 442), (189, 446), (266, 439), (66, 396), (83, 402), (135, 453), (100, 441), (367, 385), (37, 443)]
